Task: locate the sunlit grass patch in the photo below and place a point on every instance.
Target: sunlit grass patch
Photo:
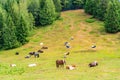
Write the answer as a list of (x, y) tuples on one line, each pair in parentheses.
[(5, 69)]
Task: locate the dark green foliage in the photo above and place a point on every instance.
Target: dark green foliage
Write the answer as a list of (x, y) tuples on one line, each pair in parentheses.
[(72, 4), (77, 4), (112, 17), (34, 9), (2, 23), (8, 6), (22, 31), (16, 25), (89, 6), (97, 8), (119, 13), (101, 9), (31, 22), (8, 34), (58, 7), (47, 12), (65, 4), (28, 17), (84, 1)]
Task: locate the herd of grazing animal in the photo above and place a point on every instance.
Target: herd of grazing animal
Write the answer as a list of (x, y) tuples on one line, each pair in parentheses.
[(36, 54), (59, 62)]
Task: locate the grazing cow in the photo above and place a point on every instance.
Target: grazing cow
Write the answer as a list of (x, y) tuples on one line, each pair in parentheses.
[(93, 46), (70, 67), (17, 53), (67, 53), (60, 63), (65, 43), (67, 46), (12, 65), (31, 53), (44, 47), (31, 65), (93, 64), (41, 44), (40, 51), (36, 55), (28, 56)]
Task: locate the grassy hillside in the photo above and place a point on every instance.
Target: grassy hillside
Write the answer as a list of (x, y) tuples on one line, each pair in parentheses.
[(73, 23)]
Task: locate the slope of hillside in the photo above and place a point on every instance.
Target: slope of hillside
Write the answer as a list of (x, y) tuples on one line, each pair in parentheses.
[(72, 23)]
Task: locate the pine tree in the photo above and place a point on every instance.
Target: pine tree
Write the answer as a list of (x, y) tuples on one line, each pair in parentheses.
[(95, 7), (8, 7), (2, 23), (119, 13), (77, 4), (34, 9), (58, 7), (28, 17), (8, 34), (22, 30), (112, 17), (89, 5), (47, 12), (84, 1), (24, 24), (66, 4), (24, 21), (101, 9)]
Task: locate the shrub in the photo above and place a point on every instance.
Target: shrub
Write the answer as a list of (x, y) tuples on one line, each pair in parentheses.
[(90, 20)]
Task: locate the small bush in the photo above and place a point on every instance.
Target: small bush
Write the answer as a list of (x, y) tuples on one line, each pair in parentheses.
[(90, 20)]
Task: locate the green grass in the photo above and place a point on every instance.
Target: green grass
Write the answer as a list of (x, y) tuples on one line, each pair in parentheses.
[(72, 23), (90, 20)]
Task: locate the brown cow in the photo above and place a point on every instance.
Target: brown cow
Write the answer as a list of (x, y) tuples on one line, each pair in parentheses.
[(31, 53), (40, 51), (44, 47), (60, 63)]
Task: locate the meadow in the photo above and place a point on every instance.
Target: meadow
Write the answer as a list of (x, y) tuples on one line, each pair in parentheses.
[(74, 23)]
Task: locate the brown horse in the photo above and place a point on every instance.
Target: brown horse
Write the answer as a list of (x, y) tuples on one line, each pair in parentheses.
[(60, 63)]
